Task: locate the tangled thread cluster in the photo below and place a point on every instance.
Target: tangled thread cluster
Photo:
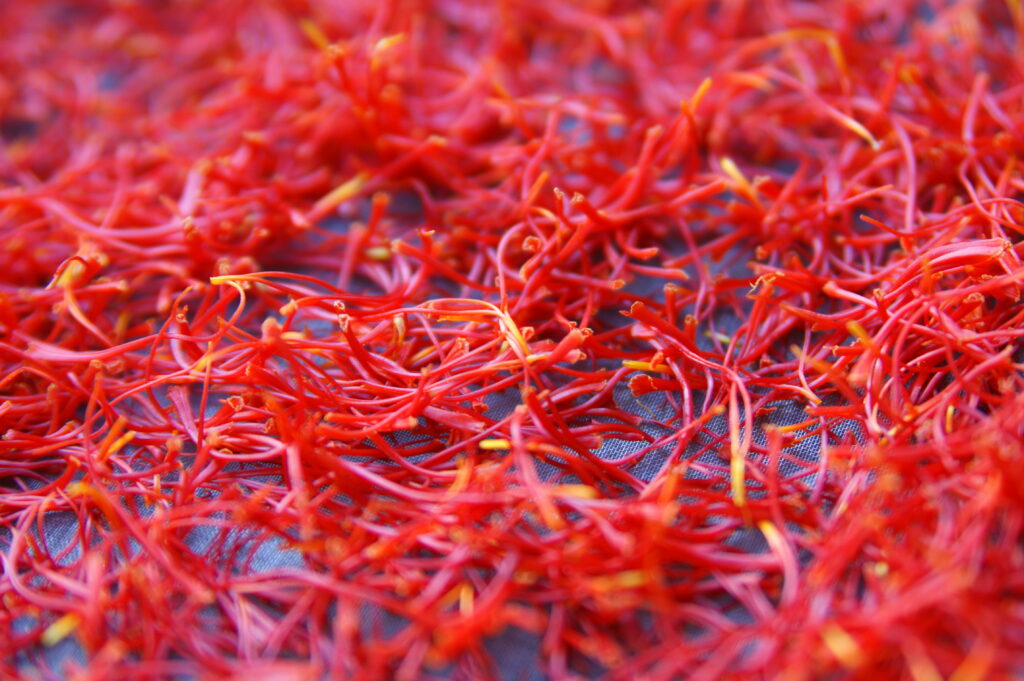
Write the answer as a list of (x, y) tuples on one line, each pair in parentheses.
[(678, 339)]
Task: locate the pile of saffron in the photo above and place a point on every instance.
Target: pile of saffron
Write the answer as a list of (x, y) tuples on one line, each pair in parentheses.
[(561, 339)]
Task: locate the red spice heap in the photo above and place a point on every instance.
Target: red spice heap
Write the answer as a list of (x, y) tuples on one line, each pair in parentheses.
[(443, 338)]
